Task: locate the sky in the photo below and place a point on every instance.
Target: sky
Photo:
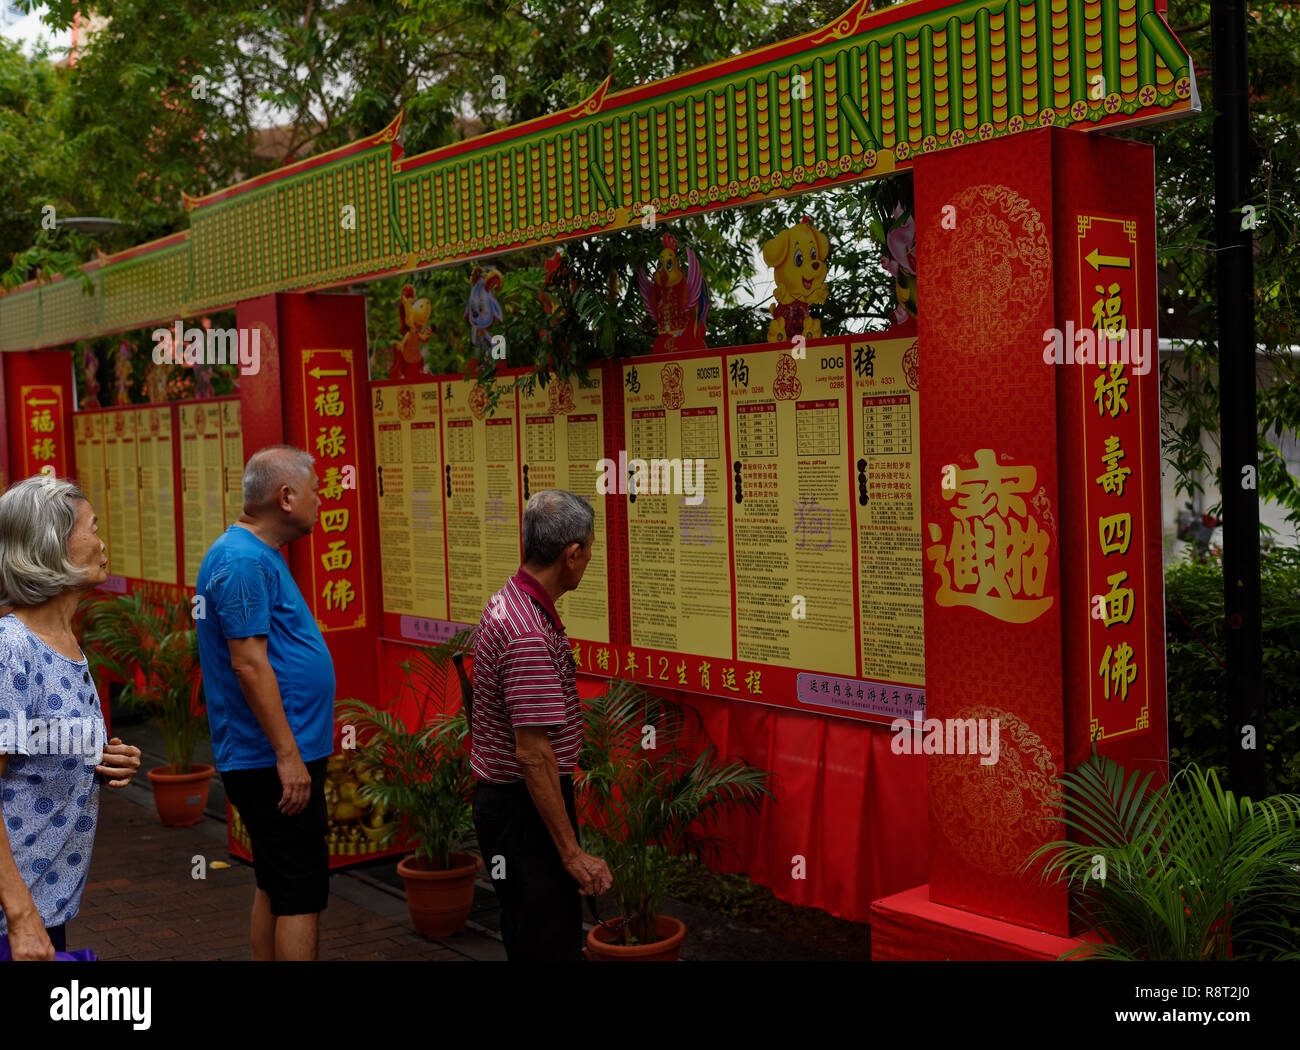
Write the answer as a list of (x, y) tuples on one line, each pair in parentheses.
[(28, 29)]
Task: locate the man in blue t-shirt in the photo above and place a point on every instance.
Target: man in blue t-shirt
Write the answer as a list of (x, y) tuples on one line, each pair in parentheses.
[(269, 682)]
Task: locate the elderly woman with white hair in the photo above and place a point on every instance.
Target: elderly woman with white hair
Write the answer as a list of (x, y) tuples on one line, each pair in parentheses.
[(52, 750)]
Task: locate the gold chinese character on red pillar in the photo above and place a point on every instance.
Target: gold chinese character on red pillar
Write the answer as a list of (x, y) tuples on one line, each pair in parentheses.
[(1109, 394), (43, 448), (335, 520), (331, 485), (338, 594), (1117, 604), (1108, 311), (331, 442), (338, 557), (1112, 481), (329, 402), (1117, 671), (43, 422), (1115, 532), (995, 559)]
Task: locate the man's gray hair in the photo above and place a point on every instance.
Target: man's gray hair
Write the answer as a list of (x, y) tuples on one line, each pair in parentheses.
[(552, 520), (37, 517), (269, 468)]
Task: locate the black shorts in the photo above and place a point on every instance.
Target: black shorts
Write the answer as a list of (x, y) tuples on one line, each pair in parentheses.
[(290, 857)]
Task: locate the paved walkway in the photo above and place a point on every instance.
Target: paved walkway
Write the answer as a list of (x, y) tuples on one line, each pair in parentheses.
[(142, 901)]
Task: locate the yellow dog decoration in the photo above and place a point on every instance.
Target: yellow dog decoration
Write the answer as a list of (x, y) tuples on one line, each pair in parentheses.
[(798, 259)]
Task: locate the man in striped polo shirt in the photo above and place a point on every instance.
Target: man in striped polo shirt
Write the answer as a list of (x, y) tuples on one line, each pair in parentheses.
[(526, 733)]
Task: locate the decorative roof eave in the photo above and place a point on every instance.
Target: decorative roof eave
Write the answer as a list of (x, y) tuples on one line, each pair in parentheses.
[(856, 99)]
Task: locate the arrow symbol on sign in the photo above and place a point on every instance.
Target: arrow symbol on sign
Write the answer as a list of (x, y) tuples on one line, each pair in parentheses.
[(1097, 260), (317, 372), (42, 400)]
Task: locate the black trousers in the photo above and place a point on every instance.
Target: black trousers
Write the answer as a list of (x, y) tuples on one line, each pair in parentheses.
[(541, 908)]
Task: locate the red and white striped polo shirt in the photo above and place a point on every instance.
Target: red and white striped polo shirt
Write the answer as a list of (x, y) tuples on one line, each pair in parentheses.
[(524, 675)]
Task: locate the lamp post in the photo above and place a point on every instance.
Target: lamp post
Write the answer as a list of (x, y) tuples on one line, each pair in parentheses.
[(1238, 419)]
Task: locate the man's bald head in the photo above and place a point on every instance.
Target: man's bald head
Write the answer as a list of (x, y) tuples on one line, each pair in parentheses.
[(270, 468)]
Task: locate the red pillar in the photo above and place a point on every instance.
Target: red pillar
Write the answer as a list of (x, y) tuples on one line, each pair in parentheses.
[(38, 399), (1020, 518), (309, 391)]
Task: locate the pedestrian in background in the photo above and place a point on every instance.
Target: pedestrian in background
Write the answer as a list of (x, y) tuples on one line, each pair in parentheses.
[(526, 735), (269, 683), (50, 557)]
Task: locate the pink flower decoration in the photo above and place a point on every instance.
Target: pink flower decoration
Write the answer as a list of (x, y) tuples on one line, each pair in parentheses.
[(901, 243)]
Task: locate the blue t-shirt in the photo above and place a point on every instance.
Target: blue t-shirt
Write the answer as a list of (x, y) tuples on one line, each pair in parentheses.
[(248, 590), (52, 727)]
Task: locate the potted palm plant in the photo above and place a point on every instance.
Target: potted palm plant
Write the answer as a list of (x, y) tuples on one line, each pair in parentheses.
[(147, 639), (420, 771), (645, 798), (1182, 871)]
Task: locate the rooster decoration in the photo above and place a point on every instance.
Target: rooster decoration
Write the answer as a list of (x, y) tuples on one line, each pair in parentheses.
[(677, 298)]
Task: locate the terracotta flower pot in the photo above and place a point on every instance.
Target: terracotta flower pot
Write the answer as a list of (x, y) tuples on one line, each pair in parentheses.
[(180, 797), (671, 934), (439, 901)]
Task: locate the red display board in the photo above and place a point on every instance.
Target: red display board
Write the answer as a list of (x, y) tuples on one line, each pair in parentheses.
[(757, 522)]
